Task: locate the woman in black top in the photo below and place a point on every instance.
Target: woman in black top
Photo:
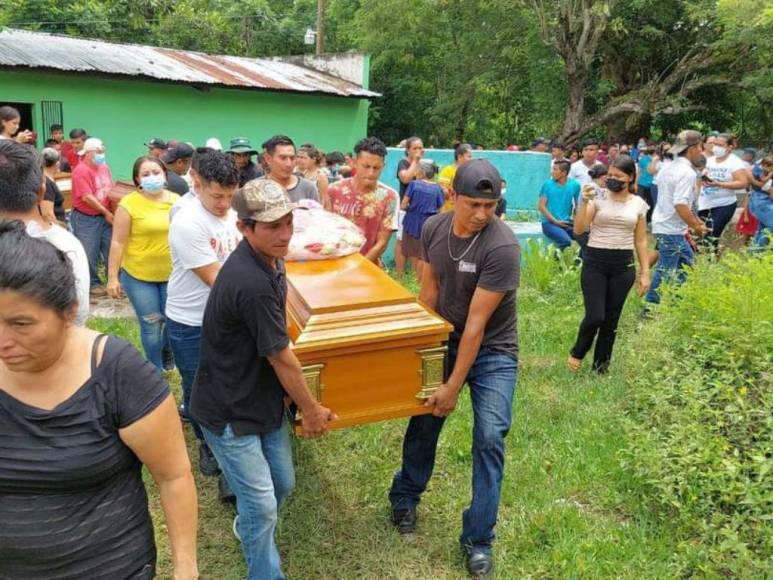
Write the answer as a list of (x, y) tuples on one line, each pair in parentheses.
[(52, 206), (80, 413)]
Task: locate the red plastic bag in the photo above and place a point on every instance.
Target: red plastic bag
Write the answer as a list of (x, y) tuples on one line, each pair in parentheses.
[(747, 224)]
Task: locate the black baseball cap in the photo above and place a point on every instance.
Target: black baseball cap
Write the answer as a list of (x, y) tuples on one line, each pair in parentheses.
[(156, 143), (178, 150), (478, 178)]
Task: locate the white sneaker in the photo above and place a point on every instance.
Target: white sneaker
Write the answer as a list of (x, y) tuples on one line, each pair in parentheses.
[(236, 532)]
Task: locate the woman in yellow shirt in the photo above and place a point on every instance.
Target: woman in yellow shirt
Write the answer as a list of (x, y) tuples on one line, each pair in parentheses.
[(140, 261)]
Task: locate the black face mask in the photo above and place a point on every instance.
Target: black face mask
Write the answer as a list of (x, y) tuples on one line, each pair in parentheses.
[(615, 185)]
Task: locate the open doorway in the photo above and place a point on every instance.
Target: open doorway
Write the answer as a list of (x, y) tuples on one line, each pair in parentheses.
[(25, 110)]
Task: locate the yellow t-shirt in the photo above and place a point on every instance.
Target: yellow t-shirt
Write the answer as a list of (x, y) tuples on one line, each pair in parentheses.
[(146, 254), (446, 181)]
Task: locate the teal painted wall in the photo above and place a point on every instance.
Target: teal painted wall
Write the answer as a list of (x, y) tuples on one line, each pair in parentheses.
[(126, 113), (524, 172)]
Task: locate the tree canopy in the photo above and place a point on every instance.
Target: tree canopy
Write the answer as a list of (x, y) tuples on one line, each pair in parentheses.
[(488, 71)]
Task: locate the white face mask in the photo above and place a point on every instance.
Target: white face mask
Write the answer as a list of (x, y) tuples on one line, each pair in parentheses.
[(719, 151)]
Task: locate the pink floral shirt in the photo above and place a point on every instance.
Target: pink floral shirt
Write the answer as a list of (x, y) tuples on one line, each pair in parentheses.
[(372, 212)]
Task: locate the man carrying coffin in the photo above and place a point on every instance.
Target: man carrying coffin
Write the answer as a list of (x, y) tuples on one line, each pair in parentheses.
[(470, 277)]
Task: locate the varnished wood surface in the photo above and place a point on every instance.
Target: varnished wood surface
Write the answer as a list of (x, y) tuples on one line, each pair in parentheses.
[(344, 284), (368, 332), (350, 301)]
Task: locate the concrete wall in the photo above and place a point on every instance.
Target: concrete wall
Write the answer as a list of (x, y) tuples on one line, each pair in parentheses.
[(126, 113), (524, 172)]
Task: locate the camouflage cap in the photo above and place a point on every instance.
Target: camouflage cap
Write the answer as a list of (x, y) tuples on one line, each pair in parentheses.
[(262, 200), (685, 140)]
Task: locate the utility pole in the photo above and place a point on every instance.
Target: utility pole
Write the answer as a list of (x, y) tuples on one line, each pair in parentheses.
[(320, 27)]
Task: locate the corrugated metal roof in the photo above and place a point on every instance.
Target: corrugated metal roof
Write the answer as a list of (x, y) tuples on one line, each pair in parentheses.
[(21, 48)]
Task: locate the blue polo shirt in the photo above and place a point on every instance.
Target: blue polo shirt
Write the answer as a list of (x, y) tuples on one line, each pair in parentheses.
[(561, 199)]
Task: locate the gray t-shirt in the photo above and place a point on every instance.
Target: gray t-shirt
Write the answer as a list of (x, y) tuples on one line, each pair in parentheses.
[(304, 189), (493, 263)]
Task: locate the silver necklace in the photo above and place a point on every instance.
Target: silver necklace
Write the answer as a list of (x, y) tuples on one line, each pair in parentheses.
[(467, 249)]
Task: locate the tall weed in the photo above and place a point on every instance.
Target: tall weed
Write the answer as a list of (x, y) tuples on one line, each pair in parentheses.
[(700, 419), (547, 271)]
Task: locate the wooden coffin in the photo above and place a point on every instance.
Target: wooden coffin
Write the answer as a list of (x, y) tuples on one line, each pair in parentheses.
[(370, 351)]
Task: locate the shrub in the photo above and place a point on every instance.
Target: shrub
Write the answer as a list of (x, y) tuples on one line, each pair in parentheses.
[(545, 269), (700, 420)]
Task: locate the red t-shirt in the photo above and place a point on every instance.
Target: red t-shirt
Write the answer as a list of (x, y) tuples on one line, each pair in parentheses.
[(90, 180), (372, 212), (70, 154)]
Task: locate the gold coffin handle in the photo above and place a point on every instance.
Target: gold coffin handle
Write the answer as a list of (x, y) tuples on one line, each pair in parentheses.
[(313, 376), (431, 371)]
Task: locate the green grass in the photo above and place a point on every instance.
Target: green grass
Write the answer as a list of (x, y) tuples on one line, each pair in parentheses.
[(568, 509)]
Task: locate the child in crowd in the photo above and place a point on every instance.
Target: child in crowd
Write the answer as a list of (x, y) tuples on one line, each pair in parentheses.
[(423, 199)]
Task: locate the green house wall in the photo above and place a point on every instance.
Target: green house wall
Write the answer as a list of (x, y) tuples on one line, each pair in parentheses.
[(126, 113)]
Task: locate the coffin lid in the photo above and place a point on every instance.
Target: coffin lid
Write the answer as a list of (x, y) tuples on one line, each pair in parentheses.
[(351, 301)]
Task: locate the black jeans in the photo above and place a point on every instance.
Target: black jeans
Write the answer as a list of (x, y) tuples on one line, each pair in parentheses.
[(606, 279), (645, 192), (717, 219)]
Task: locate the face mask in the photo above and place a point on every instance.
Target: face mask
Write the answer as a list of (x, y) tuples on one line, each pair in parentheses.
[(152, 183), (720, 151), (615, 185), (99, 158)]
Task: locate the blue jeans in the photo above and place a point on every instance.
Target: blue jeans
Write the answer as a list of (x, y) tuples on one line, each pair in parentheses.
[(761, 205), (259, 470), (560, 236), (94, 233), (185, 341), (492, 381), (149, 302), (674, 253)]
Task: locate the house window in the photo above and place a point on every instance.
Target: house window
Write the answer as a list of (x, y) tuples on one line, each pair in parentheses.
[(51, 111)]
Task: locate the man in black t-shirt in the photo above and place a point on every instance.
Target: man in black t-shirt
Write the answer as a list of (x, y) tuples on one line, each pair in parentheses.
[(246, 367), (470, 277), (177, 159)]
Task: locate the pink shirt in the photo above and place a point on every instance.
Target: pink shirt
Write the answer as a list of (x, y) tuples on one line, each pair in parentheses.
[(615, 221), (372, 212), (90, 180)]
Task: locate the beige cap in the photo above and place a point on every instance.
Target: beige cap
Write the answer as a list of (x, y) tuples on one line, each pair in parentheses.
[(262, 200), (684, 140)]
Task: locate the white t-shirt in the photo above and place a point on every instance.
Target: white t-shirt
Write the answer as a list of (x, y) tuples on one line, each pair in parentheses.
[(181, 202), (196, 239), (63, 240), (715, 196), (659, 168), (676, 186), (614, 222), (580, 172)]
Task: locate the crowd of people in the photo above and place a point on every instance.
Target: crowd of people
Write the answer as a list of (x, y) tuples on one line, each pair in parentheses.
[(685, 193), (198, 250)]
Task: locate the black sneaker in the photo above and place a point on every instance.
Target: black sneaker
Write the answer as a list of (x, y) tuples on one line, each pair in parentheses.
[(207, 462), (480, 562), (224, 492), (404, 521), (183, 414)]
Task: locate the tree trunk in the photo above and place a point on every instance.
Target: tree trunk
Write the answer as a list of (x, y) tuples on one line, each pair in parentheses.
[(575, 108)]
